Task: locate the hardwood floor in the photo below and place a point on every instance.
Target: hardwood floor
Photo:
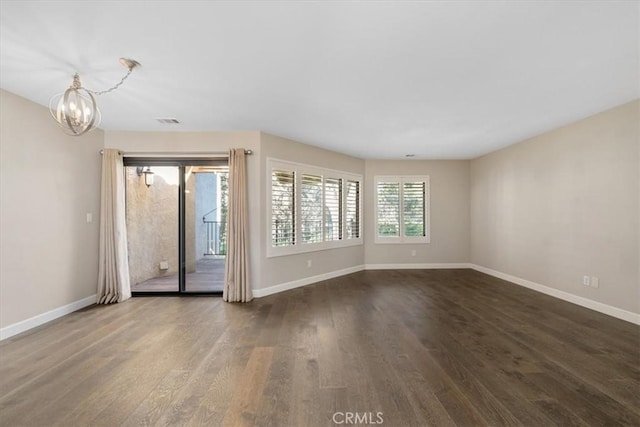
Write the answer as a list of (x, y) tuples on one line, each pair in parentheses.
[(421, 347)]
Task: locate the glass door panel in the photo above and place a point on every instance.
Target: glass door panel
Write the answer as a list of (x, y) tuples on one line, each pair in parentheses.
[(152, 227), (205, 227)]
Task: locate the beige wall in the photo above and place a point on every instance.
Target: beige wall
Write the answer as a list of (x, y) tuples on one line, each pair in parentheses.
[(198, 142), (48, 183), (449, 187), (283, 269), (563, 205)]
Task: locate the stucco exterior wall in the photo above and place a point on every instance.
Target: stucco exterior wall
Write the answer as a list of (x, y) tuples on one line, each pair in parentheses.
[(152, 226)]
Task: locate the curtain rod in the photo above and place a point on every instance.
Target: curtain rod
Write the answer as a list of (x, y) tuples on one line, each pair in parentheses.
[(174, 154)]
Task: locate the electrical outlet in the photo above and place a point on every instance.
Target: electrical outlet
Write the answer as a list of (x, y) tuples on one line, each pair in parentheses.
[(89, 217), (586, 280), (595, 282), (164, 265), (308, 263), (413, 252)]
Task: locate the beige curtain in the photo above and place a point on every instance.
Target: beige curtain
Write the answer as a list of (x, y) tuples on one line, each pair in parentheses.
[(113, 268), (236, 281)]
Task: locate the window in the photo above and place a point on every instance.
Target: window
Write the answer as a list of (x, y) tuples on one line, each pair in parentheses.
[(353, 209), (283, 207), (333, 209), (388, 212), (312, 208), (413, 209), (402, 207)]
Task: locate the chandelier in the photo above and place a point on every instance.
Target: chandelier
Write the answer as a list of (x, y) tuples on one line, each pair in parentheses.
[(75, 110)]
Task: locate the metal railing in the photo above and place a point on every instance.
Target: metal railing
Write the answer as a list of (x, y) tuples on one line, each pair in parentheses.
[(215, 245)]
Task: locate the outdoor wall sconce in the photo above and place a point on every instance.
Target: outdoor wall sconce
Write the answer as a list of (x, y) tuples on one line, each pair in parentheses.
[(148, 175)]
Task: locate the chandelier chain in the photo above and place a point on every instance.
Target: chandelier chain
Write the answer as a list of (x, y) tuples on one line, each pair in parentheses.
[(102, 92)]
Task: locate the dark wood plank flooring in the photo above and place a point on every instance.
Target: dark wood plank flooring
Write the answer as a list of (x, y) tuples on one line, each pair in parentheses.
[(421, 347)]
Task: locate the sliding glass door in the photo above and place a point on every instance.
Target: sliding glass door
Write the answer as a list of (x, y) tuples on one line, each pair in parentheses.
[(152, 228), (205, 227), (176, 224)]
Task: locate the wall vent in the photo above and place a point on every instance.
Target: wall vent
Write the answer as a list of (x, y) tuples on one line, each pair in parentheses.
[(168, 121)]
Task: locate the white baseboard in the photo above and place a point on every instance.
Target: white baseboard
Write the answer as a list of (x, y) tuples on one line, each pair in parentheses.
[(16, 328), (566, 296), (259, 293), (428, 266)]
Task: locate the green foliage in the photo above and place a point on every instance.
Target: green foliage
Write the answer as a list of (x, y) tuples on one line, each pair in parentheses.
[(413, 230), (387, 230), (224, 210)]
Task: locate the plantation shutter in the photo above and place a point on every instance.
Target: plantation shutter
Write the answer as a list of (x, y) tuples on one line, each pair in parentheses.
[(283, 208), (388, 210), (311, 208), (413, 209), (352, 214), (332, 209)]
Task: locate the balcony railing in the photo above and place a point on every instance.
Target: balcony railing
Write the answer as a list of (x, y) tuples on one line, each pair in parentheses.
[(215, 244)]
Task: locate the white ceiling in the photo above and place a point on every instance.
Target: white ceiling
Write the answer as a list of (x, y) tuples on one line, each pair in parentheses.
[(371, 79)]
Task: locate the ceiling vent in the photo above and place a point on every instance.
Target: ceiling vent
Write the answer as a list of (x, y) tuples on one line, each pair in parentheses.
[(168, 121)]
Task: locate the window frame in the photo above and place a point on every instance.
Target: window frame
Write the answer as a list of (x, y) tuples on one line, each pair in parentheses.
[(401, 238), (300, 169)]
